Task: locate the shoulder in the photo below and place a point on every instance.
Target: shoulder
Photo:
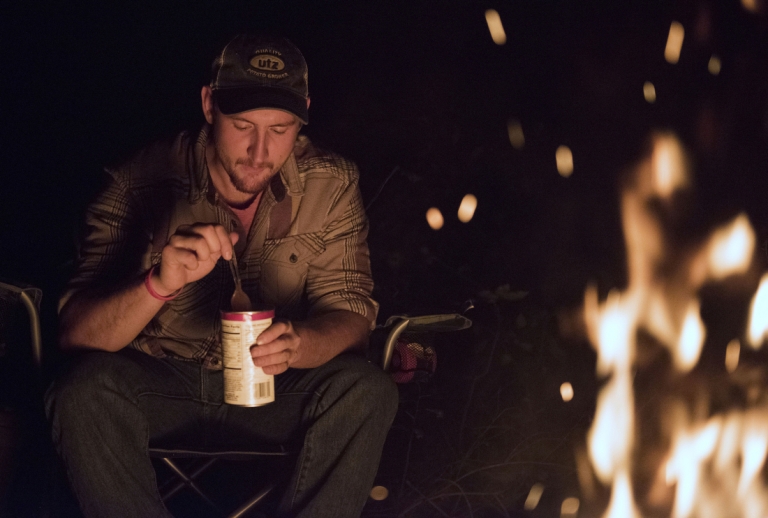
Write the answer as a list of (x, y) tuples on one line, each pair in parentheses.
[(160, 162), (314, 161)]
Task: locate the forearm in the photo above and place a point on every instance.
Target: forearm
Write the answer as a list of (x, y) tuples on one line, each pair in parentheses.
[(91, 320), (326, 336)]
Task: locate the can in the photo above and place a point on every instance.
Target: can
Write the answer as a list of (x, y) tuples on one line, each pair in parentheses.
[(244, 383)]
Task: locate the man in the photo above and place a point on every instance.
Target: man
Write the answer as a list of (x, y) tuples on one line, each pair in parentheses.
[(153, 275)]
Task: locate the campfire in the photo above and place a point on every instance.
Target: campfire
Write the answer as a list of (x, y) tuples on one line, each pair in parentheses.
[(672, 436)]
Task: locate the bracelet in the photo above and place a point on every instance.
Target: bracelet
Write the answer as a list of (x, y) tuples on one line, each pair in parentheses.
[(152, 291)]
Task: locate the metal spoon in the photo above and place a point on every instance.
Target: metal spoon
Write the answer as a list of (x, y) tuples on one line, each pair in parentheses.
[(239, 301)]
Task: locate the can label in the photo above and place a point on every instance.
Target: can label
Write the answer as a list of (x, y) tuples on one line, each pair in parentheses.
[(244, 383)]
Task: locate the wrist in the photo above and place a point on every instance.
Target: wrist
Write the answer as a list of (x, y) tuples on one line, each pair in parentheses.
[(155, 294)]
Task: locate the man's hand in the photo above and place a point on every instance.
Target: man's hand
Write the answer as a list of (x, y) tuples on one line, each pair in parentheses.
[(191, 253), (277, 347)]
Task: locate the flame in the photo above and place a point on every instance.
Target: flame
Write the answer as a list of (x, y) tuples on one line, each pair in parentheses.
[(730, 248), (732, 353), (715, 462), (758, 315)]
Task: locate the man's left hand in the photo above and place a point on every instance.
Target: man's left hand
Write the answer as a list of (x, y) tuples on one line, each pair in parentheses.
[(277, 347)]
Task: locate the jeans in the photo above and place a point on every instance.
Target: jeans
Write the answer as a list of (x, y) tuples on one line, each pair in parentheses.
[(106, 408)]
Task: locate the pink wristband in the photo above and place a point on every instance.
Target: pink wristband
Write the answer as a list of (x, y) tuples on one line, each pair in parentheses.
[(152, 291)]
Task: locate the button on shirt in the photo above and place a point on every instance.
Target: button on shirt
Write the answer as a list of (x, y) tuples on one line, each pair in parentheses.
[(305, 253)]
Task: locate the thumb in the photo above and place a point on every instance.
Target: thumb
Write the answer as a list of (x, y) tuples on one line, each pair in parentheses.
[(234, 237)]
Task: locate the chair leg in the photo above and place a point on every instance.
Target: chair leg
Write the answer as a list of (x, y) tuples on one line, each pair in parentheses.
[(253, 501), (190, 483), (168, 493)]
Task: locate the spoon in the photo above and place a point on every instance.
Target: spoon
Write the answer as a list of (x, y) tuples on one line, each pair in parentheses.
[(239, 301)]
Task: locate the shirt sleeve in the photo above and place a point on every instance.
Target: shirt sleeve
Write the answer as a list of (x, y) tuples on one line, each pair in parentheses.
[(111, 238), (340, 277)]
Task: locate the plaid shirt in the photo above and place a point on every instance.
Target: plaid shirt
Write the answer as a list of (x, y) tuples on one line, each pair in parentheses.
[(305, 253)]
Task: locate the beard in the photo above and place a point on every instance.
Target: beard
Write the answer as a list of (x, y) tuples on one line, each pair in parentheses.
[(252, 182)]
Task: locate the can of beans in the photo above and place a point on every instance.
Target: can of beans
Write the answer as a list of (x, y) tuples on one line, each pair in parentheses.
[(244, 383)]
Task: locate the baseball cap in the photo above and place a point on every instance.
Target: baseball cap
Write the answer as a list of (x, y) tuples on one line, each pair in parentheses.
[(258, 71)]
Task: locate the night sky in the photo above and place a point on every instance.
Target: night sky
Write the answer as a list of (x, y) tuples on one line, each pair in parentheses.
[(418, 94)]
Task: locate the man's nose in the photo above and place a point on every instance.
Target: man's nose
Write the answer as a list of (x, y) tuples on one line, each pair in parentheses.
[(258, 150)]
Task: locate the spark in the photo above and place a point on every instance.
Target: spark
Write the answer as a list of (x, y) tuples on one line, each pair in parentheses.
[(674, 42), (566, 391), (435, 218), (495, 27), (564, 160), (649, 92), (467, 208), (534, 495), (516, 135), (569, 508), (714, 65)]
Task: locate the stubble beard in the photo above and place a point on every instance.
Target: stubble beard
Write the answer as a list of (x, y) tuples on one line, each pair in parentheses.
[(251, 184)]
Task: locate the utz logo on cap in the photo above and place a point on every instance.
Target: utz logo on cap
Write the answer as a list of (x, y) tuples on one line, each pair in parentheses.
[(267, 63)]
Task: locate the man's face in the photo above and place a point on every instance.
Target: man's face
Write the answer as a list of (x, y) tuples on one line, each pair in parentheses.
[(252, 146)]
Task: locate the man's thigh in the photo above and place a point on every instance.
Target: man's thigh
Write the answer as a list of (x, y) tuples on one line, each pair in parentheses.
[(100, 385)]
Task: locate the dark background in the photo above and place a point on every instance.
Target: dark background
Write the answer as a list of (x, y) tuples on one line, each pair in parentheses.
[(417, 93), (413, 85)]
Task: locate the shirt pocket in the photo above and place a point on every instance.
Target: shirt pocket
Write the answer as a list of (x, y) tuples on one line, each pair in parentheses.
[(284, 267)]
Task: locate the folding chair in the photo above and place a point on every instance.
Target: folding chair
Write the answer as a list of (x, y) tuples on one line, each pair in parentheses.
[(186, 477), (22, 430)]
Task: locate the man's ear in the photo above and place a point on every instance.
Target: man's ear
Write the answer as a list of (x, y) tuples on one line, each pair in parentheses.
[(308, 99), (206, 96)]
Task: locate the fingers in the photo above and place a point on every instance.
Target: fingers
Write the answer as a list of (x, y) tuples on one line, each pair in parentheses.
[(191, 247), (277, 348)]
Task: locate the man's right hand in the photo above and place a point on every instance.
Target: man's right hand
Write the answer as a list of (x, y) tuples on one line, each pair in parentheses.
[(191, 254)]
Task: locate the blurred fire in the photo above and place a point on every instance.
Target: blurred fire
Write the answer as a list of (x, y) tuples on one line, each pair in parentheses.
[(707, 462)]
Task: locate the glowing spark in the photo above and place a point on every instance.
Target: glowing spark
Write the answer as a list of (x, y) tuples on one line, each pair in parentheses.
[(566, 391), (495, 27), (730, 248), (691, 339), (534, 495), (564, 159), (467, 208), (749, 5), (516, 135), (435, 218), (649, 92), (669, 172), (714, 65), (758, 315), (674, 42), (569, 508), (379, 493), (732, 352)]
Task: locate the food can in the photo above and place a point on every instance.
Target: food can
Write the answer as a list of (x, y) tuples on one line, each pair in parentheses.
[(244, 383)]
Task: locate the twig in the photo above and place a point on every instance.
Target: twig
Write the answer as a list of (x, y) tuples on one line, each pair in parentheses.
[(381, 187), (424, 499)]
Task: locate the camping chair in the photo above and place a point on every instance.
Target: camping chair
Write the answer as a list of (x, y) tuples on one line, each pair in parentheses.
[(187, 476), (21, 419)]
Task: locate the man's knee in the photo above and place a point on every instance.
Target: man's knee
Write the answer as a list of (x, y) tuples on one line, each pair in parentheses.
[(371, 389)]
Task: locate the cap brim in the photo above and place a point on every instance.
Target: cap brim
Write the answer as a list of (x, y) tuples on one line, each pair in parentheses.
[(237, 100)]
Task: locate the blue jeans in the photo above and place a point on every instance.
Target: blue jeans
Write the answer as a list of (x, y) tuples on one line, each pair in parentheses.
[(106, 408)]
